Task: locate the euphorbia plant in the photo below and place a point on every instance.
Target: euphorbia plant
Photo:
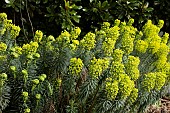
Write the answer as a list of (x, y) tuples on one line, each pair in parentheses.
[(116, 69)]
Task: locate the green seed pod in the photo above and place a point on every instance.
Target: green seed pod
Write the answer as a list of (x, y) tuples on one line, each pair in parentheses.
[(13, 68), (27, 110), (24, 72), (4, 76), (25, 94), (35, 81), (38, 96)]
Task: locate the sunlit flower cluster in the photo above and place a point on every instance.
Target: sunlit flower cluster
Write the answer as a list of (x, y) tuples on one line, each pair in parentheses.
[(97, 66), (75, 67), (30, 49), (148, 82), (3, 46), (165, 38), (127, 43), (160, 80), (64, 37), (126, 85), (133, 96), (16, 51), (116, 69), (131, 67), (141, 46), (108, 46), (151, 36), (75, 33), (163, 50), (88, 41), (38, 36), (105, 26), (112, 88), (117, 55)]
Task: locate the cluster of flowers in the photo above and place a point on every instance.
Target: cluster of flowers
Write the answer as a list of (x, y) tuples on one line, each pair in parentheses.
[(131, 67), (76, 65), (97, 66), (153, 81), (8, 26)]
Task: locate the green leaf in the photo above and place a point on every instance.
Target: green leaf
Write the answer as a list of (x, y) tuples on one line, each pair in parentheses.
[(76, 18)]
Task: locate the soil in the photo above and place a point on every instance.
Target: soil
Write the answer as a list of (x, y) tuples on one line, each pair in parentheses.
[(164, 106)]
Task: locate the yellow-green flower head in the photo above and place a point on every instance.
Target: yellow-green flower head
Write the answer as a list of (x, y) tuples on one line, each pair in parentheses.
[(13, 68), (112, 89), (64, 37), (3, 57), (73, 47), (116, 22), (108, 46), (75, 33), (105, 26), (163, 50), (41, 78), (18, 50), (116, 69), (14, 31), (44, 75), (30, 57), (35, 81), (125, 86), (141, 46), (154, 46), (3, 46), (113, 33), (2, 31), (76, 65), (15, 55), (148, 82), (100, 35), (38, 96), (127, 44), (133, 96), (160, 24), (38, 36), (50, 38), (75, 42), (34, 46), (133, 73), (88, 41), (130, 22), (77, 30), (26, 48), (160, 80), (132, 62), (27, 110), (3, 17), (165, 38), (117, 55), (122, 24), (3, 76), (160, 62), (24, 72), (97, 66), (25, 94), (36, 55), (8, 24)]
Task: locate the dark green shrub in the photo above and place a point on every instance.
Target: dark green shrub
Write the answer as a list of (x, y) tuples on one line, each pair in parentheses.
[(52, 16)]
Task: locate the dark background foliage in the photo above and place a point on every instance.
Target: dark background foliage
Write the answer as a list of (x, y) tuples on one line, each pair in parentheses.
[(52, 16)]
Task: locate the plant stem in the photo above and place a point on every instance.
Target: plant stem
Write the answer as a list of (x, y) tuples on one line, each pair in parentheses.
[(93, 101)]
